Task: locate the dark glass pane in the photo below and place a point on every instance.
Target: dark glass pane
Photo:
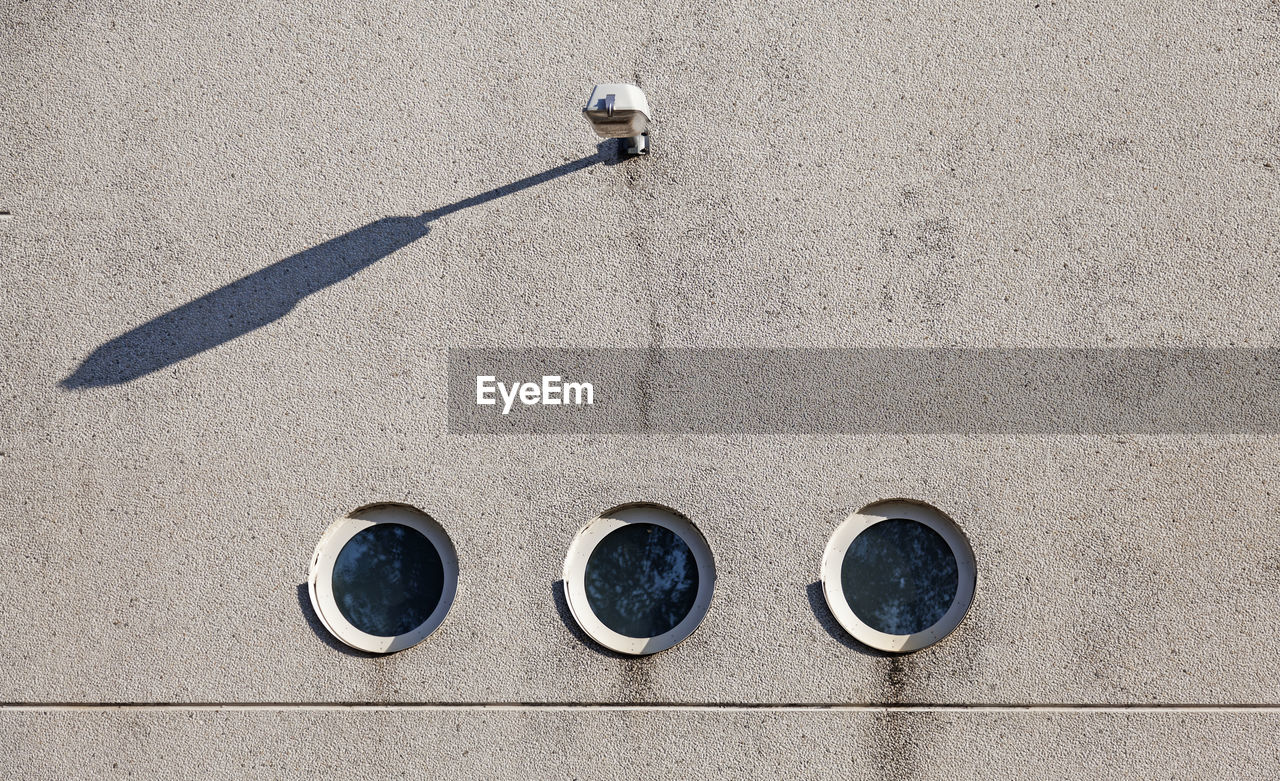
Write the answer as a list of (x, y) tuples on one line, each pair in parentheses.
[(641, 580), (899, 576), (388, 579)]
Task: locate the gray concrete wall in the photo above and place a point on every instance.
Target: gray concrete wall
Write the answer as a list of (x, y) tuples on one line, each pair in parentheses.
[(219, 339)]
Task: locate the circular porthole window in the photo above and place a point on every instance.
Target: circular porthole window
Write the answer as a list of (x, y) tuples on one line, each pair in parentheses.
[(639, 579), (383, 578), (898, 575)]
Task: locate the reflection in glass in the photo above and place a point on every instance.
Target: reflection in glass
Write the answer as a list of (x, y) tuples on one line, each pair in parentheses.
[(388, 579), (899, 576), (641, 580)]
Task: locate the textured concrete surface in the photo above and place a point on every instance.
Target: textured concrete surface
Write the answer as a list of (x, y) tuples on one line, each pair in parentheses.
[(243, 240), (637, 744)]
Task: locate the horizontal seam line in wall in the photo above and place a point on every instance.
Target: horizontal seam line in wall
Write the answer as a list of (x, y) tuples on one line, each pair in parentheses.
[(614, 706)]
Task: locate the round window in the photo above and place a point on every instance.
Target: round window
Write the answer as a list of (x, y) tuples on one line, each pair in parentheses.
[(639, 579), (383, 578), (898, 575)]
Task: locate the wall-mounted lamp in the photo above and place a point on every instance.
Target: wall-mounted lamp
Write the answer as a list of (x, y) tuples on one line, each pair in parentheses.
[(620, 111)]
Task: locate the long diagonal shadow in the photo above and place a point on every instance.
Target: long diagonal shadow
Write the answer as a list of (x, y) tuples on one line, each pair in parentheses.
[(266, 295)]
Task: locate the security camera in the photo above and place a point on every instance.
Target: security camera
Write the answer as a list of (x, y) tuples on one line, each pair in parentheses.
[(620, 111)]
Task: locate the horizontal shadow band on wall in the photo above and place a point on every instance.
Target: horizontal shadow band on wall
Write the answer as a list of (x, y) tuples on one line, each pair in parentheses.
[(1038, 391), (266, 295)]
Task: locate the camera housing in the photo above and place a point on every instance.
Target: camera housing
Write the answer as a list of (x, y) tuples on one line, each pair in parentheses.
[(620, 111)]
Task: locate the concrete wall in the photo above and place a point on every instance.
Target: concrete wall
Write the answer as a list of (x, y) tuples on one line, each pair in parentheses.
[(223, 332)]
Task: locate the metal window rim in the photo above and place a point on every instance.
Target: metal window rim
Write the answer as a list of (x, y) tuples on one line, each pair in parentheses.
[(339, 533), (855, 524), (585, 542)]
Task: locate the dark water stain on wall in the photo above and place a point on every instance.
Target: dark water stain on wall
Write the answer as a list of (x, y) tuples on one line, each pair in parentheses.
[(895, 733), (898, 741), (896, 679), (635, 678), (894, 739)]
